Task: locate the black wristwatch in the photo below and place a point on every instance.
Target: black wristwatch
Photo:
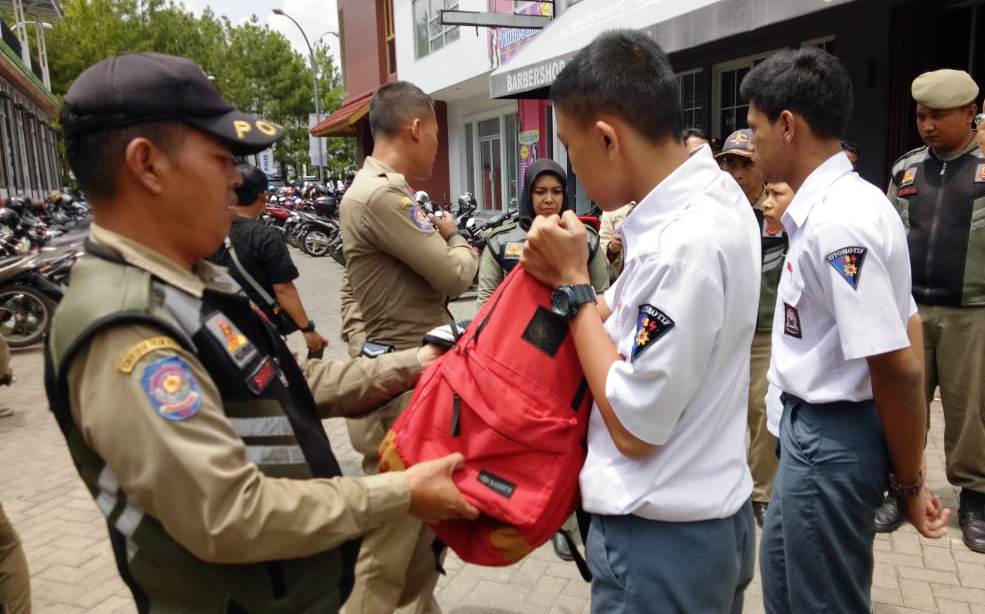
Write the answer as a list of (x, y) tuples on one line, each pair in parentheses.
[(567, 300), (310, 328)]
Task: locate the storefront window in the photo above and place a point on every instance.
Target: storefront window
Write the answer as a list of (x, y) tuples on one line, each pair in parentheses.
[(730, 110), (510, 133), (429, 33), (490, 166), (691, 85)]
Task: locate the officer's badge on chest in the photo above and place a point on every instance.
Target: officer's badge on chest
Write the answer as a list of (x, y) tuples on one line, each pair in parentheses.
[(234, 342), (909, 176)]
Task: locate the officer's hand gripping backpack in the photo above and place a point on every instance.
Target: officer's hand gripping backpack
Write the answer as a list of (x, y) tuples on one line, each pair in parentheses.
[(511, 397)]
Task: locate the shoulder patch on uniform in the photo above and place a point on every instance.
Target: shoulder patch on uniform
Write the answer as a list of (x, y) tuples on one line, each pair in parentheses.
[(848, 262), (909, 176), (239, 348), (406, 203), (791, 321), (172, 388), (145, 347), (420, 219), (651, 324), (513, 251), (980, 174)]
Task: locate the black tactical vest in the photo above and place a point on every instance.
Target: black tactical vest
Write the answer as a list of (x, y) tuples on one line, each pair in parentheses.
[(942, 203), (269, 404)]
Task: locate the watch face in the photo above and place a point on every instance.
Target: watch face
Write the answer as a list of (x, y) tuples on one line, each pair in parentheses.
[(561, 301)]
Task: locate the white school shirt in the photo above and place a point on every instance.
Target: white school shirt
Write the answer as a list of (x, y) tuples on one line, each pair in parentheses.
[(844, 293), (683, 314)]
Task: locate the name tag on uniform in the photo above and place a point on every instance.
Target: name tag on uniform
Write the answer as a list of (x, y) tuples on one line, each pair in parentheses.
[(909, 176)]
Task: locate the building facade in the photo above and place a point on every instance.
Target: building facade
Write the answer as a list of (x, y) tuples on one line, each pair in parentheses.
[(30, 164)]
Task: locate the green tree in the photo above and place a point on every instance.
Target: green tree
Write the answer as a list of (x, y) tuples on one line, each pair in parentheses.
[(252, 65)]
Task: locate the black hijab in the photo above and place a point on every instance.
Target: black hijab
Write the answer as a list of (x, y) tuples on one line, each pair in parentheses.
[(534, 171)]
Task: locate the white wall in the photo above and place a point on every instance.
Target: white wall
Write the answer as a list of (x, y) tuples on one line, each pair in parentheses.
[(460, 61)]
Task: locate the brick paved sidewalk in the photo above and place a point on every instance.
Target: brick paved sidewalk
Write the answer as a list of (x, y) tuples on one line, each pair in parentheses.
[(73, 570)]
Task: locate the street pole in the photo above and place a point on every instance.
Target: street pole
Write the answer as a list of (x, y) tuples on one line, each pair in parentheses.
[(314, 79)]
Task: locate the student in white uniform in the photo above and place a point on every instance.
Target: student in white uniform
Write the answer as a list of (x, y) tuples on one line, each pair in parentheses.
[(666, 350), (847, 348)]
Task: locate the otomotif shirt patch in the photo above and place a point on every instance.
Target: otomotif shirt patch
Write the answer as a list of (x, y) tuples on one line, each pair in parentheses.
[(848, 262), (172, 389), (650, 326)]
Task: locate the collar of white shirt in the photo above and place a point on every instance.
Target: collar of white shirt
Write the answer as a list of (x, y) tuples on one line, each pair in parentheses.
[(677, 190), (813, 187)]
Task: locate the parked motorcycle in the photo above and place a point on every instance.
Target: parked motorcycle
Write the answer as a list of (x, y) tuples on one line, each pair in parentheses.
[(28, 297)]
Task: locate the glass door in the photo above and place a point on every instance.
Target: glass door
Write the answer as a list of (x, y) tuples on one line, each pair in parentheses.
[(490, 166)]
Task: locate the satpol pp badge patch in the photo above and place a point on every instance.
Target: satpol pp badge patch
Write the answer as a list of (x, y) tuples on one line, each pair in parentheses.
[(513, 251), (145, 347), (909, 176), (651, 324), (172, 388), (980, 174), (848, 262), (239, 348), (420, 219)]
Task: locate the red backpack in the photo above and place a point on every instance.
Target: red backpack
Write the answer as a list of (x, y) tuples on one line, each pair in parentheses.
[(512, 398)]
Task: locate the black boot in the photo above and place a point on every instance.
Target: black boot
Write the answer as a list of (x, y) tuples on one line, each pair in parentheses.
[(888, 517), (971, 517), (561, 547)]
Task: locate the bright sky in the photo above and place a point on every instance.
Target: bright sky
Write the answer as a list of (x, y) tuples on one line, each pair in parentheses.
[(315, 16)]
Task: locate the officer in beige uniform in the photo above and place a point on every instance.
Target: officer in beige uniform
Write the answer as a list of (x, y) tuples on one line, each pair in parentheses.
[(611, 241), (736, 159), (402, 266), (939, 190), (187, 418)]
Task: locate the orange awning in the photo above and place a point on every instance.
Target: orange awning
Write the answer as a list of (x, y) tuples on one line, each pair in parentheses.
[(343, 121)]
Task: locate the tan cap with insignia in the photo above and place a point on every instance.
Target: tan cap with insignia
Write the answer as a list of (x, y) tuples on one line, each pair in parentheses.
[(944, 89)]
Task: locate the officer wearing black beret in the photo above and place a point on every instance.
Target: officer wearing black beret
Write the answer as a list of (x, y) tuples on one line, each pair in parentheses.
[(192, 426)]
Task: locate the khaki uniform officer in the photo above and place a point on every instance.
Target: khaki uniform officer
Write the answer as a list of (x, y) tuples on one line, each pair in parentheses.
[(611, 241), (402, 267), (736, 159), (190, 423), (939, 190)]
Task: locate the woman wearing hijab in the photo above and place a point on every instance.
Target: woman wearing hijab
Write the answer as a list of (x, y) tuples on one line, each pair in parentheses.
[(544, 193)]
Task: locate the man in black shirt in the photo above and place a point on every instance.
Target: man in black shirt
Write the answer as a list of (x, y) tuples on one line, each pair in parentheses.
[(261, 251)]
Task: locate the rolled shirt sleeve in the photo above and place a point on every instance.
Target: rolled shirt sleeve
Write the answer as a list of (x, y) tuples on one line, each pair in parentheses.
[(680, 312), (356, 386), (192, 475), (399, 228), (858, 290)]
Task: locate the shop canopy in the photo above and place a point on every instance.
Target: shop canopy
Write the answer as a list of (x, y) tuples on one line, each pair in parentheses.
[(675, 24), (343, 121)]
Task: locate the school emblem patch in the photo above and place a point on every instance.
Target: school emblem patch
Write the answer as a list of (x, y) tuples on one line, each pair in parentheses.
[(172, 389), (651, 324), (420, 219), (791, 321), (232, 340), (513, 251), (909, 176), (848, 262)]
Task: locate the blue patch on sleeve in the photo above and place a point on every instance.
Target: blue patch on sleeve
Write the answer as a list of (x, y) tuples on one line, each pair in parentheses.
[(651, 324), (848, 262), (172, 388), (420, 219)]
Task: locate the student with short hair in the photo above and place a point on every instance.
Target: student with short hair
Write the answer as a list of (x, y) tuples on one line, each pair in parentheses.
[(847, 345), (666, 349)]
